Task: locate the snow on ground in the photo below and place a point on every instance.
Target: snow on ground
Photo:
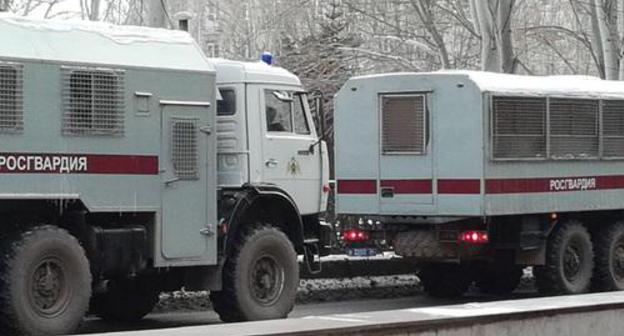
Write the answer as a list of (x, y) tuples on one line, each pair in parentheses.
[(312, 290)]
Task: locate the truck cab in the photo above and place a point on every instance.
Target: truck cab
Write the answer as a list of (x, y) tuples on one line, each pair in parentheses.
[(266, 134)]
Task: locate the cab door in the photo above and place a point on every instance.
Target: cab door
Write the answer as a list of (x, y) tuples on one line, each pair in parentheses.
[(287, 135)]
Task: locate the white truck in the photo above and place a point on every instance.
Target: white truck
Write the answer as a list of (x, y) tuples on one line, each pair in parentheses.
[(132, 164)]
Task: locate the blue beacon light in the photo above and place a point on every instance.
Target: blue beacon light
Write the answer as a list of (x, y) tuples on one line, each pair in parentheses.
[(267, 58)]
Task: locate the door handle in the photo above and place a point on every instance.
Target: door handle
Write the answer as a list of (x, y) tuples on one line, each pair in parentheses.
[(171, 181), (271, 163)]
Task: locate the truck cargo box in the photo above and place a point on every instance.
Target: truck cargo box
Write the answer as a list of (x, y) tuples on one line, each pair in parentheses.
[(459, 144)]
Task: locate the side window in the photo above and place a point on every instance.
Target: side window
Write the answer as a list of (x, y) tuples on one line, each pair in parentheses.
[(11, 98), (301, 123), (226, 106), (518, 127), (613, 128), (403, 128), (574, 128), (93, 102), (278, 111)]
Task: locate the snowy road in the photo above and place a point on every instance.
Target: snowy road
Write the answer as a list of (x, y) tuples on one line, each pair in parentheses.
[(178, 319), (192, 318)]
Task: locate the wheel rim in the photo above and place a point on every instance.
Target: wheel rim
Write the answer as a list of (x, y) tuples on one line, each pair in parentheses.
[(617, 260), (267, 280), (572, 260), (49, 292)]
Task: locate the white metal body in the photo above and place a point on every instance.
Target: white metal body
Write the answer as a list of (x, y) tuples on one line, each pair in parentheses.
[(456, 175), (248, 152)]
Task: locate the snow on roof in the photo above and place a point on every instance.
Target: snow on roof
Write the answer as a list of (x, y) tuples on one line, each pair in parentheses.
[(559, 86), (252, 72), (99, 43)]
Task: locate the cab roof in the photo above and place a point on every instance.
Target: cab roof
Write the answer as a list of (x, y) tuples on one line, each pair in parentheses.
[(252, 72), (557, 86), (97, 43)]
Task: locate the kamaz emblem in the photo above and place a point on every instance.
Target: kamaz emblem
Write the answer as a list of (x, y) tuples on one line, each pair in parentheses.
[(293, 167)]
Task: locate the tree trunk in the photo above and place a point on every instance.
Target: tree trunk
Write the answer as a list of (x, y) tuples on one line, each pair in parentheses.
[(596, 40), (156, 14), (606, 36), (94, 14), (620, 36), (504, 38), (490, 55)]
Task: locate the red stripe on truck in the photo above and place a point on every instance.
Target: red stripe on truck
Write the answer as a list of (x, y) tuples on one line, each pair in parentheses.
[(553, 184), (459, 186), (72, 163), (408, 186), (411, 187), (492, 186), (357, 186)]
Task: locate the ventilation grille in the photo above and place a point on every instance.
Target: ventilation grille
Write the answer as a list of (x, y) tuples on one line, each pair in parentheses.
[(184, 152), (403, 124), (613, 128), (519, 127), (11, 98), (93, 102), (574, 128)]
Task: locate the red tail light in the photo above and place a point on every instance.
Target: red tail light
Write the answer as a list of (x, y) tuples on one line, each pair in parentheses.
[(355, 235), (474, 237)]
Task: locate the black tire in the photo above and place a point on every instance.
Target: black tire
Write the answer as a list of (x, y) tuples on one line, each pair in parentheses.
[(498, 280), (126, 300), (265, 253), (45, 283), (569, 261), (445, 280), (609, 260)]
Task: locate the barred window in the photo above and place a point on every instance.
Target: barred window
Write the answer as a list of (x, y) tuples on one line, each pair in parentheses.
[(403, 127), (519, 127), (613, 128), (574, 128), (184, 148), (11, 98), (93, 102)]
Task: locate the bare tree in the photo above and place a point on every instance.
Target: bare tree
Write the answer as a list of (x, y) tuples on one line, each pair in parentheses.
[(492, 19)]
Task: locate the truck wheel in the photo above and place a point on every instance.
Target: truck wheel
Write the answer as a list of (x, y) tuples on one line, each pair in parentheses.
[(445, 280), (126, 300), (260, 277), (609, 269), (569, 261), (498, 281), (45, 282)]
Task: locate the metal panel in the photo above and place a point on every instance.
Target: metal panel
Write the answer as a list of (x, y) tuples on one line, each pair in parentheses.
[(11, 98), (184, 152), (519, 127), (613, 128), (403, 124), (574, 128), (93, 101)]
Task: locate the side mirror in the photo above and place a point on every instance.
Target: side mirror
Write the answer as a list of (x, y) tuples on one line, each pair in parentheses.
[(319, 119), (319, 116)]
